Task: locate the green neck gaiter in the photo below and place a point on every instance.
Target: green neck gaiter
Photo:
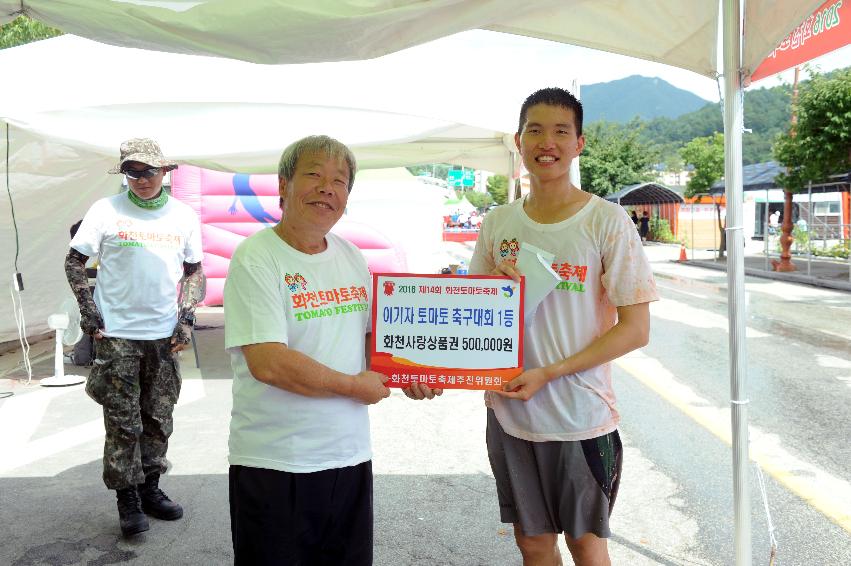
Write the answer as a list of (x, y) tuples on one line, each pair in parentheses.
[(150, 204)]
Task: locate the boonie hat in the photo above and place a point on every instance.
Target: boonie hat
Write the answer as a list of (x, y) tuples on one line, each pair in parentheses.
[(143, 150)]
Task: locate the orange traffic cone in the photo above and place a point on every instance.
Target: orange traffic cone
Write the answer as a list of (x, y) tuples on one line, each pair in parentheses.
[(683, 256)]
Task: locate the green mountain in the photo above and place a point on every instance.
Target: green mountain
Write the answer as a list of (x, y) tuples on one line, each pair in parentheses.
[(636, 96), (767, 114)]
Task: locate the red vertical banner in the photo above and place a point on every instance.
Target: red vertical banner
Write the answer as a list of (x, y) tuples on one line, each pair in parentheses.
[(823, 31)]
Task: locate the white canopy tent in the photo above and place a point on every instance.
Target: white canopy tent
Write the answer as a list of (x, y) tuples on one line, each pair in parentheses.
[(458, 205), (66, 120), (682, 33)]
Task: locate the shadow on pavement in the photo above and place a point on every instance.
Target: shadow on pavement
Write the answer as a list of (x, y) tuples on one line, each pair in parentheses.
[(71, 519)]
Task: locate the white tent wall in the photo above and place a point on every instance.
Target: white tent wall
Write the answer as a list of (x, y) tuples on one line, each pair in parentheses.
[(53, 184)]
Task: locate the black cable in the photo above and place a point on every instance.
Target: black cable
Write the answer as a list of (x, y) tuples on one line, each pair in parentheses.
[(11, 203), (7, 394)]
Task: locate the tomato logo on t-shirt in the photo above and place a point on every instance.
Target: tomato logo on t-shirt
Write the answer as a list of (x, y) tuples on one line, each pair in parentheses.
[(509, 247), (295, 281)]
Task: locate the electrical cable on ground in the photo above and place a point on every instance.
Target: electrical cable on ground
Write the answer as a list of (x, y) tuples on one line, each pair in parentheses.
[(18, 308), (773, 551)]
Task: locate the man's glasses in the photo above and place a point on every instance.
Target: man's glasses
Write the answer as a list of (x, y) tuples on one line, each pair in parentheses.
[(144, 173)]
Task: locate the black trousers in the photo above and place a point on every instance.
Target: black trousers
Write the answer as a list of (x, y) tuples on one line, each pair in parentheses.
[(321, 518)]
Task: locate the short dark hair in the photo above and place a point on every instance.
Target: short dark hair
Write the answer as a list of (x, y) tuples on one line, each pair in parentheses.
[(553, 96), (74, 227)]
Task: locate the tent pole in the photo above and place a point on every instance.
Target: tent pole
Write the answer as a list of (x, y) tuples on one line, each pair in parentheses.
[(733, 127)]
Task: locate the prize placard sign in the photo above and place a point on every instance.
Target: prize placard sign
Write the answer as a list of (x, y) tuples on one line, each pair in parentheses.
[(447, 331)]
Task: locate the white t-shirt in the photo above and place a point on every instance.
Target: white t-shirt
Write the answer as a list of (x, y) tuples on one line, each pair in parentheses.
[(317, 304), (599, 257), (140, 256)]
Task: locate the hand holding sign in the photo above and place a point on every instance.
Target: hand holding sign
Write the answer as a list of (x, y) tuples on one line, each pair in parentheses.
[(506, 267), (525, 385), (419, 391), (369, 387)]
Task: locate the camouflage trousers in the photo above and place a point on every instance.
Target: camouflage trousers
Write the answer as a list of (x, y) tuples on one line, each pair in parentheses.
[(137, 382)]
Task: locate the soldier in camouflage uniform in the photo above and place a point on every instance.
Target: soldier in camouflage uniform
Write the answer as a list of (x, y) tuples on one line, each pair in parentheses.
[(146, 243)]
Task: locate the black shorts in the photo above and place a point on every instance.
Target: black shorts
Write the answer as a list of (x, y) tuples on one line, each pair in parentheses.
[(314, 519)]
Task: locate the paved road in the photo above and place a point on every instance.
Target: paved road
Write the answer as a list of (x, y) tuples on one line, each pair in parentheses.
[(435, 500), (799, 384)]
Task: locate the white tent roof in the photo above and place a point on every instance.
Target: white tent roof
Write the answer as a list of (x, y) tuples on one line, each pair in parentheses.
[(458, 204), (91, 95), (682, 33)]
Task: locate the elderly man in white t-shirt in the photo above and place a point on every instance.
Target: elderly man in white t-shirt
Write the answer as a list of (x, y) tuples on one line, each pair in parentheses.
[(297, 323), (552, 433), (146, 243)]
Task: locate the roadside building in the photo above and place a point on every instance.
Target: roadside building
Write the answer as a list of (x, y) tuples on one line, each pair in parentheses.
[(825, 209)]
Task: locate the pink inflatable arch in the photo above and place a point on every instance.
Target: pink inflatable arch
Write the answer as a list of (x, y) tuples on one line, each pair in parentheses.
[(232, 206)]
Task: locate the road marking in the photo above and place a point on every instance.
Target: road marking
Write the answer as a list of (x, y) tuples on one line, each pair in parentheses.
[(832, 362), (684, 313), (827, 493)]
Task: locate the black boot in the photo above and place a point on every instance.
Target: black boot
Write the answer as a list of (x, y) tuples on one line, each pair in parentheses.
[(156, 503), (130, 515)]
